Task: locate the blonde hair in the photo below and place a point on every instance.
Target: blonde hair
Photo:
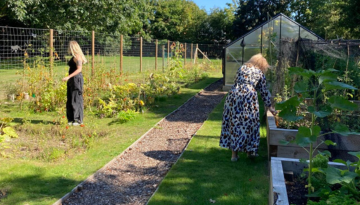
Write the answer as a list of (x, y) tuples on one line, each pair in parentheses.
[(259, 62), (74, 50)]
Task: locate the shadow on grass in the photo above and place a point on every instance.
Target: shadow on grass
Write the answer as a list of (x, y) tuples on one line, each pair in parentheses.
[(34, 187), (21, 121), (204, 174)]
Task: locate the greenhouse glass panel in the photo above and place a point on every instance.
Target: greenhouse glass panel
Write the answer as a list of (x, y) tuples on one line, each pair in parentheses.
[(253, 39), (250, 51), (289, 29), (307, 35), (275, 35), (232, 63)]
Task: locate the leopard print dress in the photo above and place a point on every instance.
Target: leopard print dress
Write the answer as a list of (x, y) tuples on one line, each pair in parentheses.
[(241, 121)]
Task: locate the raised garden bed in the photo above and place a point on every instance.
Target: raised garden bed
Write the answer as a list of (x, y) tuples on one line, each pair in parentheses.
[(345, 144), (281, 169)]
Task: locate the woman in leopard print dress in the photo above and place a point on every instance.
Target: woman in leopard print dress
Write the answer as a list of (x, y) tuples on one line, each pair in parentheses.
[(241, 121)]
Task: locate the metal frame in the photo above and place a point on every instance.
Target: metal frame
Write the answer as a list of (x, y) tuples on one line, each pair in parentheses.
[(282, 15)]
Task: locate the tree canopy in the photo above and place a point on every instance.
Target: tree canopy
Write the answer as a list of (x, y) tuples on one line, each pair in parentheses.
[(181, 20)]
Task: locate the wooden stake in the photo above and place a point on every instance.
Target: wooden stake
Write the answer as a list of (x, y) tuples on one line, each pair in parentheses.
[(191, 52), (141, 48), (168, 51), (51, 52), (156, 53), (163, 58), (203, 54), (195, 55), (121, 53), (184, 54), (93, 54)]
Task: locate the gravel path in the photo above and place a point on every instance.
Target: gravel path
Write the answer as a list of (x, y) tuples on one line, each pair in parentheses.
[(133, 176)]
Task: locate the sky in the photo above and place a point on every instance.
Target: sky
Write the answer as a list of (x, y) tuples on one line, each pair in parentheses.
[(209, 4)]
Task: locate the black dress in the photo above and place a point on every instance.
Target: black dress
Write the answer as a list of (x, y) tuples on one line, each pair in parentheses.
[(75, 102)]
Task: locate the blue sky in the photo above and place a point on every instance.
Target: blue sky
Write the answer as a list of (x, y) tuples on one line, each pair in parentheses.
[(209, 4)]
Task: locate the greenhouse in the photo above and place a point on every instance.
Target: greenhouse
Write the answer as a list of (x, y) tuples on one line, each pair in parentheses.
[(270, 39)]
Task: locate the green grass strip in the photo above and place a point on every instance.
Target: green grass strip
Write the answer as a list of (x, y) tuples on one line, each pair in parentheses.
[(205, 171)]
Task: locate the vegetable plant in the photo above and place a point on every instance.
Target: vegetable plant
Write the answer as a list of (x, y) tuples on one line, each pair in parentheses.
[(312, 85)]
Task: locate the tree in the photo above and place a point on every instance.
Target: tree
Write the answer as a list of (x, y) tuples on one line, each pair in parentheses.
[(251, 13), (107, 16), (176, 20), (321, 16), (217, 28)]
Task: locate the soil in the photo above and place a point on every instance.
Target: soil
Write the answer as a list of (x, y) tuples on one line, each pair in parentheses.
[(296, 191), (133, 176)]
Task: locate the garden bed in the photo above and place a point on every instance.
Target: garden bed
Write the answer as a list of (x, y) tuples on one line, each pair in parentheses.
[(344, 145), (281, 170)]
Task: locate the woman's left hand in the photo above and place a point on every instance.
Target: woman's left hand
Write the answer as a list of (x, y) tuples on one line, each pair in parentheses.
[(65, 79), (273, 111)]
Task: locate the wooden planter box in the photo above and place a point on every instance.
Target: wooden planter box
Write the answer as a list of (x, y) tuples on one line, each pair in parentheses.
[(279, 166), (344, 145)]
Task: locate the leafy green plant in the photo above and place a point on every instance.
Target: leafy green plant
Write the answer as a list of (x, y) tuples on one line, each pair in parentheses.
[(6, 133), (125, 116), (314, 84)]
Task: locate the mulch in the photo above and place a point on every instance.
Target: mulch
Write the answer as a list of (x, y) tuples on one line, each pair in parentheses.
[(133, 176)]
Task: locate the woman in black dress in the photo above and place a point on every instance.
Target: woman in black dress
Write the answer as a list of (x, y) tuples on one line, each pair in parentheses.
[(75, 82)]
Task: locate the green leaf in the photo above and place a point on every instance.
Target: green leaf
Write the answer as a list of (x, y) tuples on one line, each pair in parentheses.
[(304, 161), (300, 87), (327, 77), (303, 137), (325, 153), (333, 175), (329, 142), (10, 132), (294, 101), (342, 103), (337, 176), (356, 154), (330, 70), (315, 130), (342, 129), (289, 114), (338, 85), (340, 161), (323, 111), (301, 72)]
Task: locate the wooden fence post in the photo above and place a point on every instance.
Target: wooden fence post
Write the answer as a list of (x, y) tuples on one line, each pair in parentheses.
[(196, 53), (51, 52), (191, 52), (156, 53), (168, 51), (121, 53), (93, 54), (184, 55), (163, 58), (141, 48)]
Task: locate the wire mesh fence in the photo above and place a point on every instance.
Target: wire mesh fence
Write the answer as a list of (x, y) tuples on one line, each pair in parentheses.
[(27, 47)]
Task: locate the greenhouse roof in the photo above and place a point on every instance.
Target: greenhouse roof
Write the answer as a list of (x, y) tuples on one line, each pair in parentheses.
[(272, 19)]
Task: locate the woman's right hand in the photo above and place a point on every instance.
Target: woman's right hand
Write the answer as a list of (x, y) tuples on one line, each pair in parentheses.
[(273, 111)]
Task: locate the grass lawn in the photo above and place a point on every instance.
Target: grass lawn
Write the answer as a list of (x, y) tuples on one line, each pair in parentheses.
[(43, 180), (205, 172)]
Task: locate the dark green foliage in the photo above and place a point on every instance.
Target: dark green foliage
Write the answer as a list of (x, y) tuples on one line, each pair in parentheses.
[(252, 13)]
